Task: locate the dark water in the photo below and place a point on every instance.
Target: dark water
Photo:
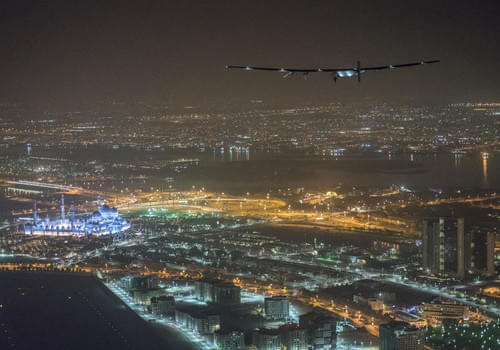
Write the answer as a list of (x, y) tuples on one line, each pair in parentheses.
[(64, 311), (441, 171)]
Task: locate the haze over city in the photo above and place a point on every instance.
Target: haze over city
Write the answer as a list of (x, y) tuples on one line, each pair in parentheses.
[(60, 54)]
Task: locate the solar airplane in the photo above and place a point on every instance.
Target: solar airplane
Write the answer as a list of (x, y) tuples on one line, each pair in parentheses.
[(335, 73)]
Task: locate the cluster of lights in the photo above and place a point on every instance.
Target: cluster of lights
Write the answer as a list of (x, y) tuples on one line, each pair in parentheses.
[(466, 336)]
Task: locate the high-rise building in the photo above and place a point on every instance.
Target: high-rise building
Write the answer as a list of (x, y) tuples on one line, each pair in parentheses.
[(483, 248), (431, 246), (136, 282), (321, 328), (293, 337), (277, 307), (217, 292), (446, 247), (398, 335), (227, 294), (203, 290), (202, 320), (267, 339), (163, 305), (230, 340), (491, 239)]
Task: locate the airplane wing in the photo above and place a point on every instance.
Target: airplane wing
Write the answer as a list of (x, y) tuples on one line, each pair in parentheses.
[(293, 70), (392, 66), (335, 72)]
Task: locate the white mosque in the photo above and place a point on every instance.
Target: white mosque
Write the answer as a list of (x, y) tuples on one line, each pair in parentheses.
[(104, 221)]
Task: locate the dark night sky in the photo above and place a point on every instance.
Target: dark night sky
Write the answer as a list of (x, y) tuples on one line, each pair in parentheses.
[(68, 53)]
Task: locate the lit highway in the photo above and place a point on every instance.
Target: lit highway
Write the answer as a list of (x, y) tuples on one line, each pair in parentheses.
[(273, 210)]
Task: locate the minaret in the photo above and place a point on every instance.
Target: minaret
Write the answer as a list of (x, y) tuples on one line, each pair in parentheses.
[(34, 214), (72, 215), (62, 207)]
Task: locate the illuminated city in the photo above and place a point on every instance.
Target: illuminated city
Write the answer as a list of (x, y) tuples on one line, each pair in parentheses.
[(155, 196)]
